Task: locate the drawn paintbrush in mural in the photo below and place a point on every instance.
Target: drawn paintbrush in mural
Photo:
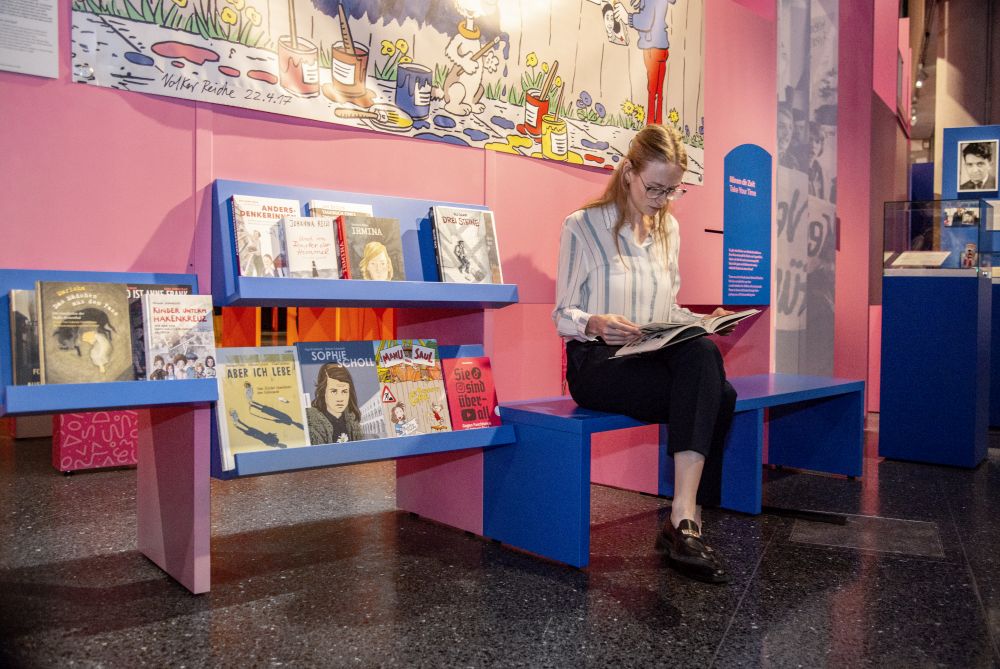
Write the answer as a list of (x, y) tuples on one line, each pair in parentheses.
[(349, 67), (463, 87), (382, 116), (298, 61)]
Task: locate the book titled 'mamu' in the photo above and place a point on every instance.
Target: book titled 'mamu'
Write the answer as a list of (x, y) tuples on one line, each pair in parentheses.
[(472, 398), (411, 385), (370, 248), (179, 341), (342, 391), (257, 230), (260, 404), (311, 242), (135, 293), (84, 332), (24, 338), (466, 246)]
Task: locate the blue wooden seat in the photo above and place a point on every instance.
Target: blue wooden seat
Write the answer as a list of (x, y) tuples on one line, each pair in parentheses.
[(537, 493)]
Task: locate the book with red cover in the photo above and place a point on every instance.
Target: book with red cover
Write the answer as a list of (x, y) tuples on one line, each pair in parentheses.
[(472, 398)]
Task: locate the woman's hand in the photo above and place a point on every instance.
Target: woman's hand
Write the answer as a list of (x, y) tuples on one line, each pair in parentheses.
[(612, 328), (725, 332), (721, 311)]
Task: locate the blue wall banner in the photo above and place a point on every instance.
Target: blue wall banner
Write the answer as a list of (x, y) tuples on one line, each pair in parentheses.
[(969, 162), (746, 249)]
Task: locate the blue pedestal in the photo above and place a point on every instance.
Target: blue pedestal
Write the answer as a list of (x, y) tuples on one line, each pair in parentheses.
[(995, 359), (935, 368)]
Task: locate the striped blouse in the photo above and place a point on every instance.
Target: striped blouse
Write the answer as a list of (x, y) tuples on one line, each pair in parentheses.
[(593, 279)]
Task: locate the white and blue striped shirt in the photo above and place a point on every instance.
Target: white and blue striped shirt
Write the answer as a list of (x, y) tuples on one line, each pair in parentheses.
[(593, 279)]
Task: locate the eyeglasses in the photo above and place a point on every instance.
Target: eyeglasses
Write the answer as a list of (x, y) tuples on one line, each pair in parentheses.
[(656, 192)]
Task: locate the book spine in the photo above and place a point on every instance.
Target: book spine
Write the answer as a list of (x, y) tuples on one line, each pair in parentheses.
[(236, 236), (42, 329), (345, 264), (437, 247)]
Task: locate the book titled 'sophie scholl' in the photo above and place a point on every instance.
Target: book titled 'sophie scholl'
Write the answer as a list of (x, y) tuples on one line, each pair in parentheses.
[(179, 338), (260, 401), (84, 334), (411, 387), (342, 388), (258, 235), (370, 248), (466, 246)]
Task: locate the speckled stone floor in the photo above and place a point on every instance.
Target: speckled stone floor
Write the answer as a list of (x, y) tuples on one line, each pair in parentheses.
[(319, 569)]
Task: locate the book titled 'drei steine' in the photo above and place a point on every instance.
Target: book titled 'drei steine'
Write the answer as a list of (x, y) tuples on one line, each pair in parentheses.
[(258, 234), (466, 246), (179, 340), (84, 333), (370, 248), (311, 242)]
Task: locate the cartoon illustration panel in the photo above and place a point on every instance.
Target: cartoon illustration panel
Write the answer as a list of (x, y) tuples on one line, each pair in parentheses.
[(566, 80)]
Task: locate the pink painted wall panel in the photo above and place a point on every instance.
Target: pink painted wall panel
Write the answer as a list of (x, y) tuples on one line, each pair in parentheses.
[(874, 386), (447, 487), (94, 439), (854, 108), (886, 45), (766, 9), (523, 339), (628, 459)]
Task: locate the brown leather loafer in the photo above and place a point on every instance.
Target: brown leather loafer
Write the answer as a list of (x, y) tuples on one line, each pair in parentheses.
[(686, 552)]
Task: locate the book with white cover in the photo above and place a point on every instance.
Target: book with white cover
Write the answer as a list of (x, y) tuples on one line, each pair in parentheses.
[(335, 209), (179, 338), (466, 246), (259, 241), (311, 243)]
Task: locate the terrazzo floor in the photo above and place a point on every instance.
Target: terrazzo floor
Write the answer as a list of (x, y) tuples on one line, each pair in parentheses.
[(318, 569)]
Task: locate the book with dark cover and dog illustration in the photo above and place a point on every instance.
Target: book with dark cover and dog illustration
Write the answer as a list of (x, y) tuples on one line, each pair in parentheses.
[(341, 386), (466, 246), (472, 399), (84, 332), (658, 335), (260, 248), (260, 404), (24, 338), (135, 293), (370, 248), (411, 387), (179, 338), (311, 244)]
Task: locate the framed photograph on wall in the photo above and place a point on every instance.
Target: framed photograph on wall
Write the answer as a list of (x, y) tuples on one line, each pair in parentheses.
[(977, 166)]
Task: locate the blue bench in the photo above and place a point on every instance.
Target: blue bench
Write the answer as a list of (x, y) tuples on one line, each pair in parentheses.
[(537, 493)]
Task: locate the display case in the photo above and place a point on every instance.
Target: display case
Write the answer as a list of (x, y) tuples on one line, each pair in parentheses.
[(936, 331), (938, 236)]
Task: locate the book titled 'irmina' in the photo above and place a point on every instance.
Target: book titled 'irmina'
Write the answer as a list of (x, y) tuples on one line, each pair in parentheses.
[(84, 332), (466, 246), (370, 248), (259, 243)]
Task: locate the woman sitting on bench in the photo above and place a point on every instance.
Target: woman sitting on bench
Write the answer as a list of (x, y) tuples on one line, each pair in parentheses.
[(618, 269)]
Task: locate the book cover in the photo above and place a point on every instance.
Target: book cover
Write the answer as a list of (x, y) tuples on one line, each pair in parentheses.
[(370, 248), (260, 249), (260, 404), (472, 399), (334, 209), (411, 385), (84, 332), (341, 386), (311, 243), (466, 246), (179, 340), (135, 293), (24, 338)]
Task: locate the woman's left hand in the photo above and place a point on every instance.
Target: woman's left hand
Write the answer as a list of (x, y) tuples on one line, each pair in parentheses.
[(722, 311), (725, 332)]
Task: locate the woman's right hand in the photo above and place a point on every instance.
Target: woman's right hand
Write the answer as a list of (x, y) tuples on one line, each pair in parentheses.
[(612, 328)]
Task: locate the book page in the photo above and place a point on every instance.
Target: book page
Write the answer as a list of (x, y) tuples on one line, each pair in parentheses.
[(921, 259)]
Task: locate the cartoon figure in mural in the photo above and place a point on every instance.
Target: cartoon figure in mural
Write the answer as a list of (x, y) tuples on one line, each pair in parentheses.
[(649, 18), (463, 87)]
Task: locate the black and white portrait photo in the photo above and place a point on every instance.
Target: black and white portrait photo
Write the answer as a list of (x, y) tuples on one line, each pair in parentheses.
[(977, 166)]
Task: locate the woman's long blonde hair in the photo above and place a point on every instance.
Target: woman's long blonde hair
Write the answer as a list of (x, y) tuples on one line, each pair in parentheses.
[(652, 143)]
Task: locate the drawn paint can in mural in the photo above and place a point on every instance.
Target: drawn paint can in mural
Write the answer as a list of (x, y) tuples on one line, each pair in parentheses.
[(555, 141), (298, 67), (413, 89), (349, 70), (534, 109)]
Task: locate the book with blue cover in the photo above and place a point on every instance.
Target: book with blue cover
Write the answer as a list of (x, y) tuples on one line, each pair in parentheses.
[(342, 391)]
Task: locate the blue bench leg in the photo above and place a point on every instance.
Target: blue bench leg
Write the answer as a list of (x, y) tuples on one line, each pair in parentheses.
[(536, 494), (824, 435)]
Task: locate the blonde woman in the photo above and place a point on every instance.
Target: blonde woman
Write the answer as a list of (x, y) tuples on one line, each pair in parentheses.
[(375, 262), (617, 270)]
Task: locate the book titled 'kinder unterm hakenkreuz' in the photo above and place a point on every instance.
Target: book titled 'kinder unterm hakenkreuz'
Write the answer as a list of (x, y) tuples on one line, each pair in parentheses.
[(370, 248), (258, 234), (466, 246), (311, 243), (179, 340), (658, 335)]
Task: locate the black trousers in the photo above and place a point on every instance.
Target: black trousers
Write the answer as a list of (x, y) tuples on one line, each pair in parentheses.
[(683, 385)]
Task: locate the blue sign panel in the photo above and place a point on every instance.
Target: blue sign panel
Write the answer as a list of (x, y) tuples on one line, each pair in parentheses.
[(746, 248)]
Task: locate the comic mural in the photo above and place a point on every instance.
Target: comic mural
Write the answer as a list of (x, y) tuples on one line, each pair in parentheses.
[(563, 80)]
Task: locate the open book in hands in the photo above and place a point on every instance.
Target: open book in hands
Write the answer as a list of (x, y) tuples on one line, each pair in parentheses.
[(658, 335)]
